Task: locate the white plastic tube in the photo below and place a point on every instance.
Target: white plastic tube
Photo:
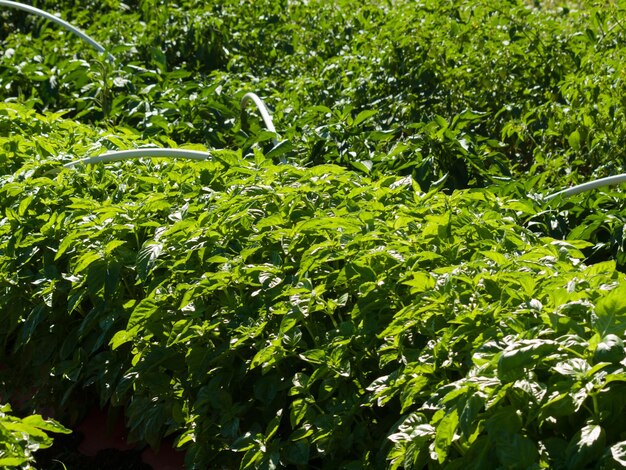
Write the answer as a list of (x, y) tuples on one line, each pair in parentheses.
[(116, 156), (265, 114), (59, 21), (608, 181)]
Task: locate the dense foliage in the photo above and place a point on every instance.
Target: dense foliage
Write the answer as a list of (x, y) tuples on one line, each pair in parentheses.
[(384, 287), (472, 90)]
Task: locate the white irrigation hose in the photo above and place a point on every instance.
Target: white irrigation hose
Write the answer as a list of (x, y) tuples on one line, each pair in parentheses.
[(59, 21), (265, 114), (116, 156), (608, 181)]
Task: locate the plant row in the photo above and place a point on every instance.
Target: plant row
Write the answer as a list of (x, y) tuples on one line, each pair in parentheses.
[(457, 95), (274, 315)]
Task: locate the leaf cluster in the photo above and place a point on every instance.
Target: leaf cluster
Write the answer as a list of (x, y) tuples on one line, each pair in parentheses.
[(22, 437)]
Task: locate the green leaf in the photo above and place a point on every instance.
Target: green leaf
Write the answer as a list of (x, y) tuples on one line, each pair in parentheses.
[(146, 259), (314, 356), (618, 452), (505, 420), (297, 453), (420, 282), (410, 440), (298, 411), (479, 456), (23, 207), (122, 337), (573, 367), (142, 313), (272, 427), (611, 312), (472, 407), (12, 462), (280, 149), (364, 115), (85, 261), (68, 241), (585, 447), (252, 459), (522, 355), (446, 428), (609, 349), (362, 165), (574, 140), (603, 268), (113, 245), (45, 424), (441, 121), (18, 426), (516, 451)]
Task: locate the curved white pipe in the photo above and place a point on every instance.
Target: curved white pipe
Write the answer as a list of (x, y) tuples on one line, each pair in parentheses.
[(118, 155), (59, 21), (608, 181), (265, 114)]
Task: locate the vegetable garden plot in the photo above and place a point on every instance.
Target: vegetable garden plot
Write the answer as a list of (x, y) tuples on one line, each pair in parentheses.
[(272, 315)]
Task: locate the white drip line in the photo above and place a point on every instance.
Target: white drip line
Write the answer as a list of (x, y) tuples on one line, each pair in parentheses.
[(119, 155), (155, 152), (265, 114), (59, 21), (608, 181)]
